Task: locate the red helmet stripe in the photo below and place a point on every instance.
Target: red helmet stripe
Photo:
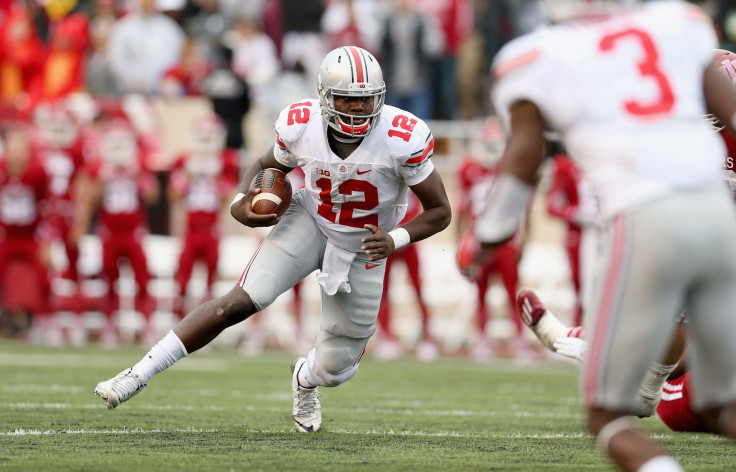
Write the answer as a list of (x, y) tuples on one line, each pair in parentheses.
[(359, 64)]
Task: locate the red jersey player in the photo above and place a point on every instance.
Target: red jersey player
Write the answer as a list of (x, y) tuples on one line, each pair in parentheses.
[(563, 201), (389, 347), (203, 180), (476, 181), (60, 151), (23, 272), (119, 186)]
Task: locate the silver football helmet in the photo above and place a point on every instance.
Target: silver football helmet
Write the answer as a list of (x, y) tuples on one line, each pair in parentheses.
[(354, 72)]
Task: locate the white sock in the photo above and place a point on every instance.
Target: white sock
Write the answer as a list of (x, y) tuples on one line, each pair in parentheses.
[(161, 356), (654, 380), (661, 464), (305, 377), (549, 328)]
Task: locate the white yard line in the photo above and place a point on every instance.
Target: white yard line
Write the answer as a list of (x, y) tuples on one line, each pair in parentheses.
[(380, 411), (452, 434)]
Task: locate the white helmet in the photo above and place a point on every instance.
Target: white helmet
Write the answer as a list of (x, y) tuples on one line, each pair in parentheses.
[(354, 72)]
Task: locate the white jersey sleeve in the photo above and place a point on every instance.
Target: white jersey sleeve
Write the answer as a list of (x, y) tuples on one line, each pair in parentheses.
[(626, 95), (289, 127)]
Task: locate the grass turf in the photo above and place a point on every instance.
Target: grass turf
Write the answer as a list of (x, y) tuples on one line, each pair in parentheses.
[(219, 411)]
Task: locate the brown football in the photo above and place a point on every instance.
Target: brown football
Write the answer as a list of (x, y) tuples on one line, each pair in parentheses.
[(275, 194)]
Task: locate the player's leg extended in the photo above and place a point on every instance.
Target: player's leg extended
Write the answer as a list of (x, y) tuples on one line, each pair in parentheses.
[(287, 255), (636, 292), (348, 321)]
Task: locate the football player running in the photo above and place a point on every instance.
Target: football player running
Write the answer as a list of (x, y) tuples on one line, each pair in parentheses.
[(653, 163), (359, 157)]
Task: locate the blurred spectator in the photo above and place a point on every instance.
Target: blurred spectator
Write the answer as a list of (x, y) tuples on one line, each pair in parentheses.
[(256, 62), (351, 22), (185, 78), (24, 283), (99, 79), (174, 9), (22, 56), (303, 44), (68, 43), (203, 180), (205, 21), (143, 45), (493, 28), (230, 98), (456, 19), (118, 186), (254, 55), (408, 40)]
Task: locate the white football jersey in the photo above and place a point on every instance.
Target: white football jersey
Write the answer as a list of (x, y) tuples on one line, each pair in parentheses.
[(370, 185), (626, 94)]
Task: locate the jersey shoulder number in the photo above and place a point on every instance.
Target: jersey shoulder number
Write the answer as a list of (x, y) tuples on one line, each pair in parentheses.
[(293, 119)]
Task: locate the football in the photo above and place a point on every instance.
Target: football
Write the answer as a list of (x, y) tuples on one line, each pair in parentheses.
[(275, 194)]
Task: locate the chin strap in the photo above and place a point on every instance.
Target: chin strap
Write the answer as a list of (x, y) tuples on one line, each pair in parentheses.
[(353, 130)]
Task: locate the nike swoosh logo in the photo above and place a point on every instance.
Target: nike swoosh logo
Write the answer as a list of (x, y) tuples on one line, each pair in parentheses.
[(370, 266), (363, 172), (306, 429)]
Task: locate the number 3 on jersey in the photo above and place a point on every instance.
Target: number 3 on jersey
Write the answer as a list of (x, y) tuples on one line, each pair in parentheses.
[(648, 67)]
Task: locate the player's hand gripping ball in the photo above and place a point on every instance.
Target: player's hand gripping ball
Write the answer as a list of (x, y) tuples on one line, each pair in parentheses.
[(275, 194)]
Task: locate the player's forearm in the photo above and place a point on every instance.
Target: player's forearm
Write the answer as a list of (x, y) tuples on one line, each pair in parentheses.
[(431, 221)]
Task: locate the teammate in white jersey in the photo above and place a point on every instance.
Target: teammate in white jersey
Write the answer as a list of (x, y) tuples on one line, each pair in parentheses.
[(360, 157), (627, 92)]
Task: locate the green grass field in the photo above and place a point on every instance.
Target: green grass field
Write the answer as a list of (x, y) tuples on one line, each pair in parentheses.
[(219, 411)]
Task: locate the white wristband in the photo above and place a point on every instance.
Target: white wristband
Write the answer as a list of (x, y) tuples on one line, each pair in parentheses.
[(237, 198), (400, 236)]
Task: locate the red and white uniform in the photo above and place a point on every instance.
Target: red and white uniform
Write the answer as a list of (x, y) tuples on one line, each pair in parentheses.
[(410, 256), (121, 223), (626, 94), (204, 190), (369, 187), (564, 201), (675, 408), (475, 184), (21, 199), (616, 134), (62, 167), (322, 228)]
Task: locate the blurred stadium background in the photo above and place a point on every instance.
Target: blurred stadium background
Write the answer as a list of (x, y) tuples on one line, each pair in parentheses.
[(163, 65)]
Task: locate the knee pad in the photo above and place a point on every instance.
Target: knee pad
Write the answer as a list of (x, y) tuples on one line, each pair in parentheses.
[(332, 366)]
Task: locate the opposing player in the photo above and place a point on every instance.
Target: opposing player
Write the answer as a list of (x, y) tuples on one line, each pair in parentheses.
[(117, 185), (653, 164), (475, 181), (203, 180), (24, 282), (359, 159), (564, 201), (389, 347), (60, 151)]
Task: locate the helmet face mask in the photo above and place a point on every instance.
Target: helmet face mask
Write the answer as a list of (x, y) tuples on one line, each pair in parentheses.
[(351, 72)]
